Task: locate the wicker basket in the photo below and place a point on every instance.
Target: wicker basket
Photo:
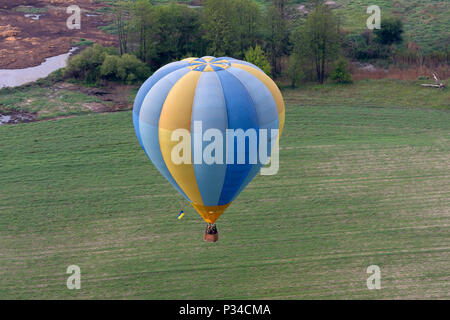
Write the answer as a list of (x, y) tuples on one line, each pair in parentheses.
[(211, 237)]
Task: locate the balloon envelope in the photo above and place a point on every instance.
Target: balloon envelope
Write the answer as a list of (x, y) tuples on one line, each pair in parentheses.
[(223, 94)]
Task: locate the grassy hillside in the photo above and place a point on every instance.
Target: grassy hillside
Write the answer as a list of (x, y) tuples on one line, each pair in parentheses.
[(426, 22), (357, 186)]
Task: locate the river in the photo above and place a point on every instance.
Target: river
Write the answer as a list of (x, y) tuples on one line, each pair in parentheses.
[(17, 77)]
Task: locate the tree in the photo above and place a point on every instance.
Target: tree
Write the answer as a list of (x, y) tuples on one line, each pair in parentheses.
[(390, 32), (178, 33), (294, 72), (219, 21), (276, 35), (317, 41), (189, 28), (247, 24), (144, 23), (285, 8), (160, 34), (231, 26), (121, 13), (256, 56)]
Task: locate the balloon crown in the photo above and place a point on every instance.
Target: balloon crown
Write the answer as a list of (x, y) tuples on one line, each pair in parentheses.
[(208, 64)]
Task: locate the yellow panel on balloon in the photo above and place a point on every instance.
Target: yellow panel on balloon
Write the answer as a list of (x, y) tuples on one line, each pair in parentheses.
[(176, 114)]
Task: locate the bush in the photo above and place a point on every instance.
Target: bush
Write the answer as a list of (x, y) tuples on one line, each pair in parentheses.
[(126, 68), (341, 74), (256, 56), (364, 47), (109, 68), (390, 32), (356, 46), (86, 65), (99, 62), (133, 66)]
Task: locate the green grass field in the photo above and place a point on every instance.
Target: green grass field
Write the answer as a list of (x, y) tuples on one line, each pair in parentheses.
[(358, 185)]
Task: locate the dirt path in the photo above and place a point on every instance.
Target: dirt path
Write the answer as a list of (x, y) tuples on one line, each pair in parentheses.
[(36, 29)]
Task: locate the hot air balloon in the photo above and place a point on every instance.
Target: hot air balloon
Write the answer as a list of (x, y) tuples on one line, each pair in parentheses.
[(222, 94)]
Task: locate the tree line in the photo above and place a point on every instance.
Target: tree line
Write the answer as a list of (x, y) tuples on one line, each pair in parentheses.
[(275, 37)]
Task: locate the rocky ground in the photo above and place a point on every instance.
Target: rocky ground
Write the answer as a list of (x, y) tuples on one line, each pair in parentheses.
[(33, 30)]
